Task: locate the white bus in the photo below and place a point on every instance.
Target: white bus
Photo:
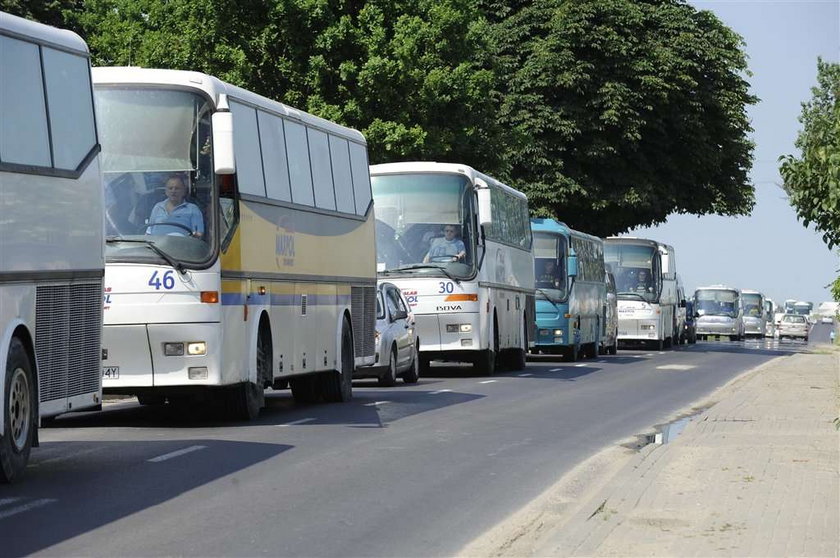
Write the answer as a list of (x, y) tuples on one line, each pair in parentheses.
[(756, 316), (646, 280), (721, 311), (458, 244), (51, 261), (263, 276)]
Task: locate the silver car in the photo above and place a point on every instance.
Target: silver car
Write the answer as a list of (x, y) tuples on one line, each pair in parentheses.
[(396, 341), (793, 326)]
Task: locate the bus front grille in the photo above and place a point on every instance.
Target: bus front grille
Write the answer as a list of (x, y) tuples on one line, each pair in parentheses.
[(363, 310), (68, 330)]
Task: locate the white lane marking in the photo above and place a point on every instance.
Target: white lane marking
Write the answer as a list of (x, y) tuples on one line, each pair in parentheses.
[(651, 354), (638, 356), (439, 391), (488, 382), (375, 404), (26, 507), (525, 375), (579, 365), (555, 370), (676, 367), (4, 501), (295, 422), (600, 361), (176, 453)]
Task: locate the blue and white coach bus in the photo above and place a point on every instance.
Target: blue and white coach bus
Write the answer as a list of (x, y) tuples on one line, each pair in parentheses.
[(571, 292), (51, 234), (458, 244)]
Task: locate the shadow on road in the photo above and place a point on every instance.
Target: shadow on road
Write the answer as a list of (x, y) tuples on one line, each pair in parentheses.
[(45, 509)]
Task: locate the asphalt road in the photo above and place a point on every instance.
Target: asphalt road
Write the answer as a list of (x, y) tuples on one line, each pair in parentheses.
[(411, 470)]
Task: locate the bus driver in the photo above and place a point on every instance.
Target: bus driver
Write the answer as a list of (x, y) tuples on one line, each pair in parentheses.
[(448, 246), (175, 215)]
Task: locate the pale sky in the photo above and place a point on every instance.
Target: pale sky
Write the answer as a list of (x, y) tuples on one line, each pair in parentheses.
[(770, 250)]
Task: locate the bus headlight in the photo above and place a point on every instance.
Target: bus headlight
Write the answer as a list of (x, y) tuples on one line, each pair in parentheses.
[(197, 348), (173, 349), (558, 332), (647, 326), (456, 328)]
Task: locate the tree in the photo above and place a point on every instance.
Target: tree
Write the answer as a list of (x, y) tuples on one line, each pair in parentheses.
[(50, 12), (412, 75), (623, 111), (812, 180)]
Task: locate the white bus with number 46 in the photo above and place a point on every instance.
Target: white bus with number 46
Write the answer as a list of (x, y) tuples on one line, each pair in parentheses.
[(458, 244)]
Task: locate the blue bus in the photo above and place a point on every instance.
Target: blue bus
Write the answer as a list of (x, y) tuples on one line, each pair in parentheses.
[(570, 290)]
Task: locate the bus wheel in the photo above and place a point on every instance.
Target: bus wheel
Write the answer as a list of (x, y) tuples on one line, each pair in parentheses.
[(304, 389), (518, 358), (18, 413), (337, 387), (486, 361), (389, 378), (245, 401), (412, 375)]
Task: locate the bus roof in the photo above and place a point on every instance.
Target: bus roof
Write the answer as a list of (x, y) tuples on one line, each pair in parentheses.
[(558, 227), (18, 27), (214, 87), (637, 241), (406, 167), (718, 288)]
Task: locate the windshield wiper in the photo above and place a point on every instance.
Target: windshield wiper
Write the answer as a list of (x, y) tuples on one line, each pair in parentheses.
[(427, 266), (548, 298), (169, 259), (640, 297)]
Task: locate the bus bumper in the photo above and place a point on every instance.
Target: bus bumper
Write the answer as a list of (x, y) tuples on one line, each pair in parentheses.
[(157, 355), (638, 330), (456, 332)]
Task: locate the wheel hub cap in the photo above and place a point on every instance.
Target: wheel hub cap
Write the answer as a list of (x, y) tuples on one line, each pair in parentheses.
[(19, 411)]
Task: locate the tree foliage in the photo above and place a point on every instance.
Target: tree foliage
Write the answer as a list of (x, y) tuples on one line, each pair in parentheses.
[(610, 113), (812, 180), (412, 75), (624, 111)]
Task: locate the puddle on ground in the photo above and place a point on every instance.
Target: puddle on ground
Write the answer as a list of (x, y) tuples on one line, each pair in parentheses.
[(670, 431)]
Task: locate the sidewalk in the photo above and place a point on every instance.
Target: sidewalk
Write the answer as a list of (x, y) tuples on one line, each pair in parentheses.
[(756, 474)]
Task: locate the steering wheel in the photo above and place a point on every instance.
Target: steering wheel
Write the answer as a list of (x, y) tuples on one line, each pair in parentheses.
[(171, 224), (443, 259)]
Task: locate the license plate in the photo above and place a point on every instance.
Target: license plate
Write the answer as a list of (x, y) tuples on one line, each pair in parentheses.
[(111, 372)]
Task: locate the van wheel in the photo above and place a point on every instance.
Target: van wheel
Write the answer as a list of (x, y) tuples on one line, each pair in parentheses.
[(337, 387), (19, 413), (389, 378)]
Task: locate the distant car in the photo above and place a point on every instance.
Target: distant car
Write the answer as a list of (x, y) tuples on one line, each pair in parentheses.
[(689, 332), (827, 320), (396, 340), (793, 326)]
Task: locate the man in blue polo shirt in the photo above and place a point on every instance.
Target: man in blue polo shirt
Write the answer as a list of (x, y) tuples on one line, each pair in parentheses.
[(175, 215)]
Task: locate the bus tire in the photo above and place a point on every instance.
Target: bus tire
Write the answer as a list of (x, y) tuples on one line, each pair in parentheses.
[(485, 363), (389, 378), (337, 386), (412, 375), (245, 401), (18, 412), (304, 389), (519, 356)]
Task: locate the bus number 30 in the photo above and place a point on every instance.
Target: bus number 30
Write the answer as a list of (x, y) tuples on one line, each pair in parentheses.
[(167, 280), (446, 287)]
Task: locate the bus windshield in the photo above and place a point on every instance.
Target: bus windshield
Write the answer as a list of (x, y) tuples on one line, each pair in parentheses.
[(717, 302), (635, 269), (424, 224), (550, 264), (752, 304), (157, 165)]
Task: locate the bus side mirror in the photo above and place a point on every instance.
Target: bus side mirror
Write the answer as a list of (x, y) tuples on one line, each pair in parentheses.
[(223, 160), (573, 265), (485, 212)]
